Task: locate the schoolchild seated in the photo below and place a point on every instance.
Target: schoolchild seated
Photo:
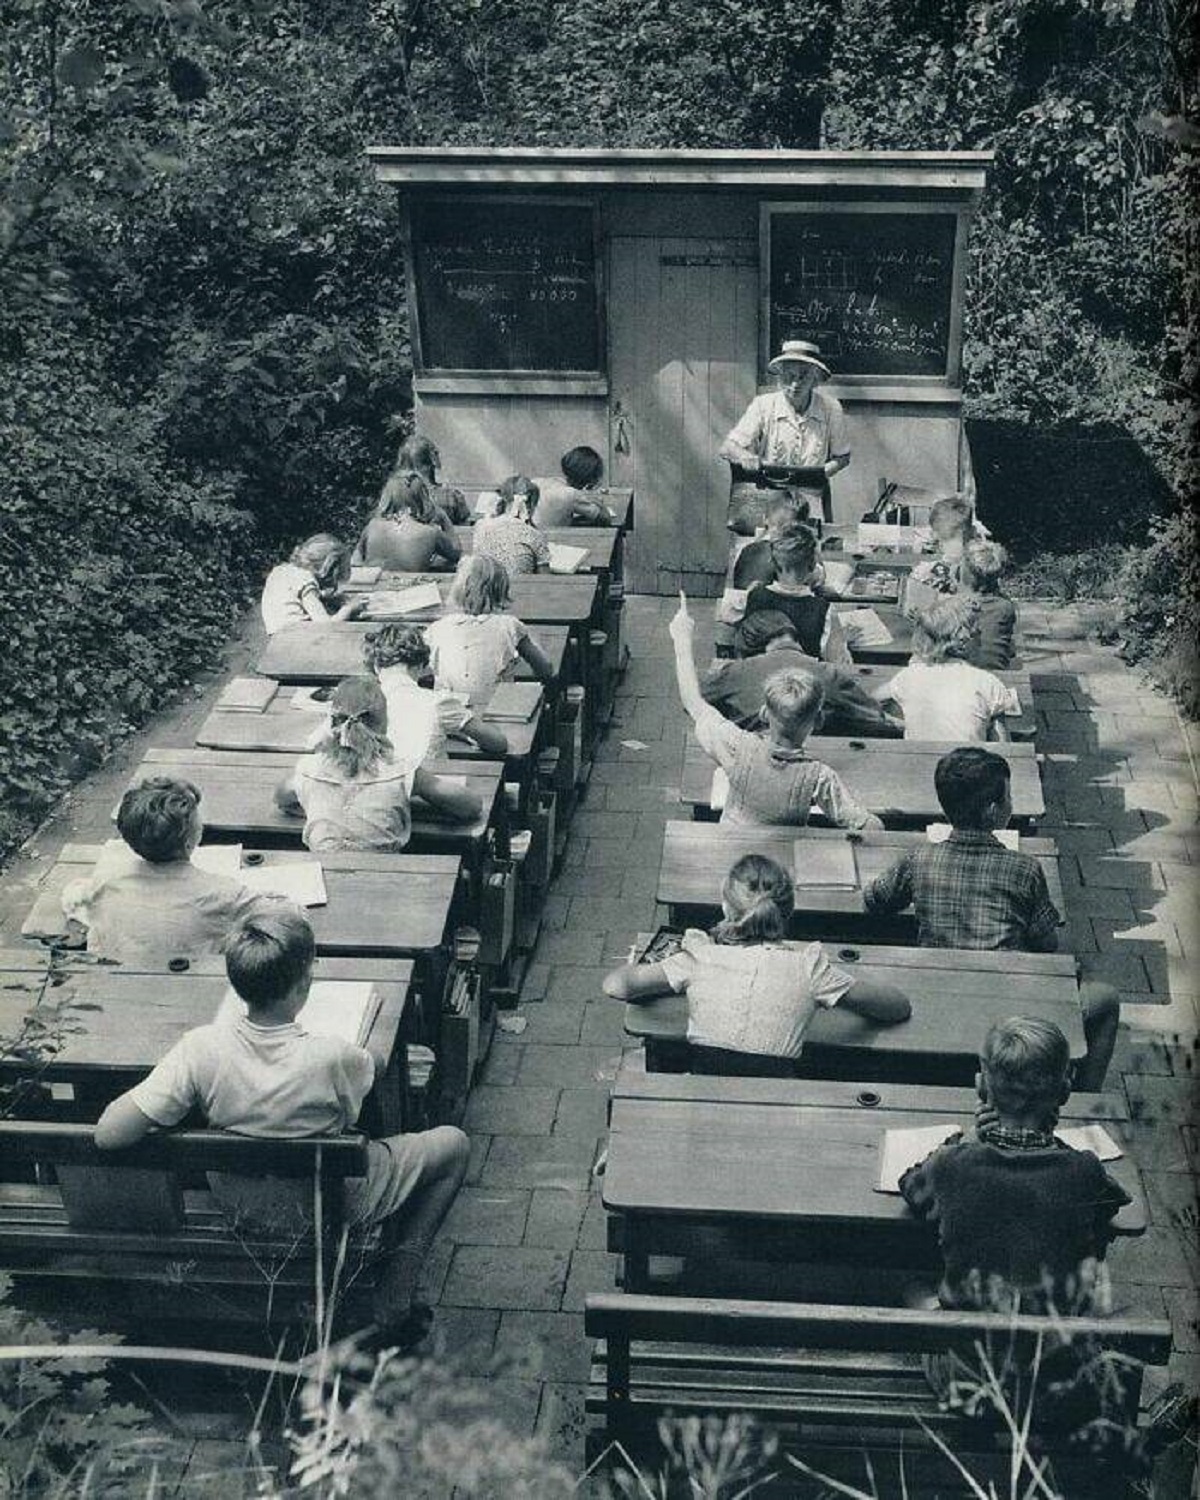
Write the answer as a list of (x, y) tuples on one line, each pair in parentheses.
[(509, 536), (766, 644), (306, 588), (262, 1074), (772, 779), (145, 898), (939, 694), (793, 591), (992, 639), (477, 642), (746, 992), (566, 501), (754, 563), (420, 453), (408, 532), (972, 892), (353, 792)]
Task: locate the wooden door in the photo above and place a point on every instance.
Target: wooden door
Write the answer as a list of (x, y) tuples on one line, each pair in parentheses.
[(683, 340)]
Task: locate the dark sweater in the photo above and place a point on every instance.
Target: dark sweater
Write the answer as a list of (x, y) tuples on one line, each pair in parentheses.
[(736, 688), (1027, 1218), (805, 611)]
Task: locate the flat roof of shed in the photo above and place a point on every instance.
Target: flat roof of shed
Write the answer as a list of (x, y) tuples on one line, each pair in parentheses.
[(574, 167)]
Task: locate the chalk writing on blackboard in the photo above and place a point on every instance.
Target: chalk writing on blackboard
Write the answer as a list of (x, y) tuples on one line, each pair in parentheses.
[(506, 286), (873, 289)]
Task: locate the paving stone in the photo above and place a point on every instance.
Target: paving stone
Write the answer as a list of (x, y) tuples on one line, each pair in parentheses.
[(562, 1422), (603, 1022), (570, 983), (555, 1215), (503, 1060), (572, 947), (1157, 1258), (506, 1277), (487, 1216), (577, 879), (480, 1146), (515, 1403), (1100, 901), (555, 1021), (593, 1232), (545, 1345), (604, 826), (1125, 971), (591, 1271), (638, 798), (511, 1109), (464, 1337), (536, 982), (556, 912), (533, 1161), (1120, 873), (1172, 1198), (1183, 1309), (571, 1067), (582, 1113)]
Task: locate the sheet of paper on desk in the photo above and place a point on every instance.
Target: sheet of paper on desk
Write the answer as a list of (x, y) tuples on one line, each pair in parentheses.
[(901, 1149), (311, 699), (247, 695), (220, 859), (364, 573), (564, 559), (938, 833), (719, 790), (404, 601), (824, 862), (335, 1007), (863, 627), (838, 576), (301, 881)]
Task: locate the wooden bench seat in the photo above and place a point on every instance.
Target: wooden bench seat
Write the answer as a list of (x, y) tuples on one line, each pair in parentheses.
[(149, 1243), (834, 1382)]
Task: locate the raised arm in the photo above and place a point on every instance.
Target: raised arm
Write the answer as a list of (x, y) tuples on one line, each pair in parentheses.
[(683, 630)]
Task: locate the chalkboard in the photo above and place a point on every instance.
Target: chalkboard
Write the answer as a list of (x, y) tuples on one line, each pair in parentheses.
[(506, 285), (873, 289)]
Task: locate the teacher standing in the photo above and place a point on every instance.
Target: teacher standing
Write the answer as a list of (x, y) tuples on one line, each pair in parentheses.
[(797, 426)]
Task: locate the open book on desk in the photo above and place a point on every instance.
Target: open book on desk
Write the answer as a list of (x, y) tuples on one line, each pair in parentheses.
[(902, 1149), (419, 596), (564, 559), (863, 627), (344, 1008)]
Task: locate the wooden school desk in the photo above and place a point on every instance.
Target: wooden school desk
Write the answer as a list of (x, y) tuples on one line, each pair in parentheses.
[(786, 1168), (956, 995), (893, 778), (317, 654), (841, 542), (696, 857), (238, 792), (601, 543), (283, 729), (537, 598), (128, 1018), (894, 653)]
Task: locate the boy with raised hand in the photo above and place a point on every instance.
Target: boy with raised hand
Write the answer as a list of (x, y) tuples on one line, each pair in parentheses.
[(1023, 1219), (972, 892), (147, 901), (772, 779), (261, 1074)]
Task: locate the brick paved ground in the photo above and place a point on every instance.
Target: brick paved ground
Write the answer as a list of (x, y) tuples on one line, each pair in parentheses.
[(526, 1240)]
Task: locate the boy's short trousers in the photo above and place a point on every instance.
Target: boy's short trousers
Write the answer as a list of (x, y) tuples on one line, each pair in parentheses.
[(396, 1167)]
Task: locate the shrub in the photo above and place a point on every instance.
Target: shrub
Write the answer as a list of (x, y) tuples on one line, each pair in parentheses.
[(1159, 590)]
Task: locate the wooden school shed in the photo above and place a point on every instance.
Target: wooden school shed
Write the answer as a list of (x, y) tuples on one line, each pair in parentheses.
[(630, 300)]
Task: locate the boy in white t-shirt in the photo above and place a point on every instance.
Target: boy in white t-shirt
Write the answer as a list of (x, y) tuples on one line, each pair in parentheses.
[(942, 696), (263, 1075)]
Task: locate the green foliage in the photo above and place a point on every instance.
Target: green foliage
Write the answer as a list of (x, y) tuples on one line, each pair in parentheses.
[(1160, 608), (1068, 577), (64, 1431)]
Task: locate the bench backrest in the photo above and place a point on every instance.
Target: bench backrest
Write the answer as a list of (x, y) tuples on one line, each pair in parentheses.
[(621, 1318), (141, 1188)]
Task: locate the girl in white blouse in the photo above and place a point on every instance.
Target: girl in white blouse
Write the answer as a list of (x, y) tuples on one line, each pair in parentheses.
[(746, 991), (477, 643)]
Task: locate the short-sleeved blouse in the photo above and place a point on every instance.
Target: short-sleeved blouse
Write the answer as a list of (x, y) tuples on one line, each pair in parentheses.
[(521, 548), (284, 592), (368, 811), (757, 997), (471, 653)]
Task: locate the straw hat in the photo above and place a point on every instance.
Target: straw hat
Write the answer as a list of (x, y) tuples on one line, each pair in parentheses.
[(798, 352)]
